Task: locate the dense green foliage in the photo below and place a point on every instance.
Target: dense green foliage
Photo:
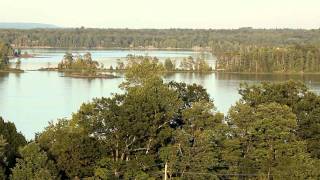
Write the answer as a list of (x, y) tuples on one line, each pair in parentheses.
[(153, 124), (304, 104), (3, 144), (34, 164), (10, 142), (272, 132)]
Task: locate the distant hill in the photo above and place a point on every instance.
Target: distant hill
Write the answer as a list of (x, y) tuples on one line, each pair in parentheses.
[(26, 26)]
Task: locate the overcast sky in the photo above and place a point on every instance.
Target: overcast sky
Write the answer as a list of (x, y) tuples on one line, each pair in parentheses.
[(165, 13)]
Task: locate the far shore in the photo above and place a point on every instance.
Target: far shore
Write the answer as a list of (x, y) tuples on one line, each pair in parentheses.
[(269, 73), (207, 50), (191, 71)]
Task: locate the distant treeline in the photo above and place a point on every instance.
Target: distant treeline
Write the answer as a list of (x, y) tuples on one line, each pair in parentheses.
[(157, 38)]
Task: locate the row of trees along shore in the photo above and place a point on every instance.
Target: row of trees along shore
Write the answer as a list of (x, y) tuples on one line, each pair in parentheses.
[(189, 64), (216, 40), (156, 130), (289, 59)]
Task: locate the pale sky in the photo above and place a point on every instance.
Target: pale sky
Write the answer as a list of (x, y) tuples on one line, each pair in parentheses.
[(165, 13)]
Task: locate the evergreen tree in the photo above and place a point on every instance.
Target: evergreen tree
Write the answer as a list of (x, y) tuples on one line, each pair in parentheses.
[(34, 164)]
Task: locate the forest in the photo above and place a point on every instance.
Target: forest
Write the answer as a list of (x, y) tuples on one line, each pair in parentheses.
[(156, 129), (211, 39), (289, 59)]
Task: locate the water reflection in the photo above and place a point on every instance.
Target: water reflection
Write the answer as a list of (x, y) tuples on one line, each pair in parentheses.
[(269, 77), (32, 99), (3, 76)]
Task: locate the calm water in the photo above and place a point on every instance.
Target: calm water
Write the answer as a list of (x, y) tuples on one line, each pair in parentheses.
[(34, 98)]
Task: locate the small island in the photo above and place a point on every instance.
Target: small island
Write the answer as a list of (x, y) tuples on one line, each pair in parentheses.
[(80, 66)]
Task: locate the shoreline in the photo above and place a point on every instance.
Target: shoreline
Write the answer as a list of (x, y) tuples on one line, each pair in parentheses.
[(188, 71), (120, 71), (119, 48), (269, 73), (100, 76), (174, 71), (11, 71), (77, 74)]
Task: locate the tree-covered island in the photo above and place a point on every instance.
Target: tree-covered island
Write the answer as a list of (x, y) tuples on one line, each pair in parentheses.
[(81, 66)]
